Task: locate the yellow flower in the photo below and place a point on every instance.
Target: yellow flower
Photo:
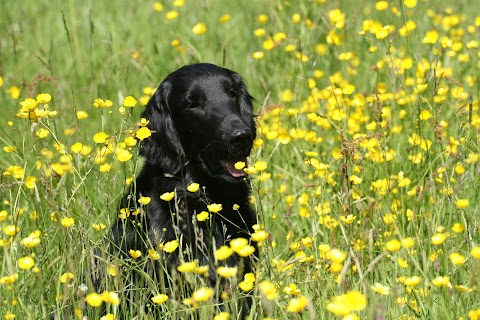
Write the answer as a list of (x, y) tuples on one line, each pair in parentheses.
[(199, 28), (459, 169), (144, 200), (14, 171), (248, 282), (349, 219), (14, 92), (337, 18), (76, 147), (153, 254), (44, 98), (259, 236), (425, 114), (462, 203), (130, 141), (135, 253), (380, 288), (222, 316), (143, 133), (171, 15), (123, 155), (225, 18), (99, 103), (67, 222), (11, 230), (214, 207), (66, 277), (346, 303), (159, 298), (32, 240), (157, 6), (111, 298), (336, 255), (412, 281), (262, 19), (227, 272), (238, 243), (188, 266), (268, 289), (9, 279), (9, 316), (167, 196), (441, 282), (202, 216), (193, 187), (129, 102), (407, 242), (94, 299), (410, 3), (9, 149), (42, 133), (458, 228), (202, 294), (99, 226), (112, 270), (381, 5), (170, 246), (143, 122), (124, 213), (100, 137), (30, 182), (257, 55), (355, 179), (431, 37), (81, 115), (178, 3), (26, 263), (393, 245), (223, 253), (28, 105), (476, 252), (457, 259), (291, 289), (438, 238), (297, 304), (381, 33)]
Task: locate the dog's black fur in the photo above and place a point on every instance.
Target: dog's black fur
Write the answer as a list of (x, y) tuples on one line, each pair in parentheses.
[(202, 123)]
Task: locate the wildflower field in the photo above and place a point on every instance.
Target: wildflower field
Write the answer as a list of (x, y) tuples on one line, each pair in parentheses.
[(365, 171)]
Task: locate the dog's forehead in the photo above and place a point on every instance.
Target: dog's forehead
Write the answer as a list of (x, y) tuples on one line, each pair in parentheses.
[(201, 84)]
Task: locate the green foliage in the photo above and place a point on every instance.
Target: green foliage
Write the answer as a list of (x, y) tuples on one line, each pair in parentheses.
[(365, 170)]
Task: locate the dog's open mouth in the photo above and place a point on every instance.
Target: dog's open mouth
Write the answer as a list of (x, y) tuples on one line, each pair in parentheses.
[(225, 167), (230, 167)]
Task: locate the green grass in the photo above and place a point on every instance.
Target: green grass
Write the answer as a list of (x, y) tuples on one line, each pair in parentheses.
[(382, 127)]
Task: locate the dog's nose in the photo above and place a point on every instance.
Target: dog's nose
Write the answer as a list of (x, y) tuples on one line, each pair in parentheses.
[(240, 138)]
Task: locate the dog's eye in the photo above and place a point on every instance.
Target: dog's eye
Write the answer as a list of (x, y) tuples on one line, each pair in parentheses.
[(233, 93), (195, 103)]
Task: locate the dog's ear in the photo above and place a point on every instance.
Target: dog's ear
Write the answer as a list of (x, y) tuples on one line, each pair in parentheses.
[(163, 147), (245, 100)]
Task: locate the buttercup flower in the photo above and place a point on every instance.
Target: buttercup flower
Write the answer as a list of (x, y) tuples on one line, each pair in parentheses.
[(129, 102), (159, 298), (143, 133)]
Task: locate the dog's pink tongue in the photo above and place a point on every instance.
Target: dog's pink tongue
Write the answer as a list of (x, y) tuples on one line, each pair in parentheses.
[(230, 166)]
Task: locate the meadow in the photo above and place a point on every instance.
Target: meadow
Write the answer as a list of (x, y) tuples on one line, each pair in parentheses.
[(365, 171)]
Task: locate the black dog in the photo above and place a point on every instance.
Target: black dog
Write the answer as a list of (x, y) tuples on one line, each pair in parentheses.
[(202, 123)]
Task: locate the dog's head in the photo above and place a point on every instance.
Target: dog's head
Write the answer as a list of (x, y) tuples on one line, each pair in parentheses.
[(201, 115)]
